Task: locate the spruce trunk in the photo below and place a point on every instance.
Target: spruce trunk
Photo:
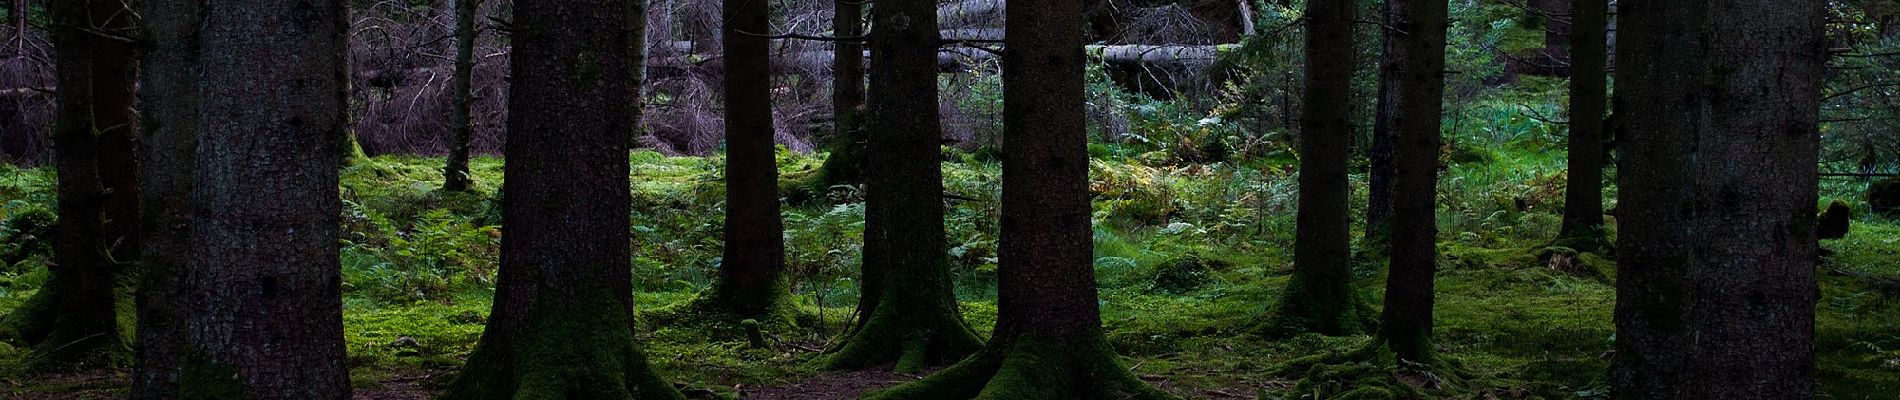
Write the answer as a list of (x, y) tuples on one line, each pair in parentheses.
[(751, 282), (1406, 321), (168, 102), (1583, 194), (562, 324), (266, 304)]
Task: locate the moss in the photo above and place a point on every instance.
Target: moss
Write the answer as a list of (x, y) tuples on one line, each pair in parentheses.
[(1329, 308), (1032, 367), (711, 311), (571, 348), (1184, 274), (909, 337)]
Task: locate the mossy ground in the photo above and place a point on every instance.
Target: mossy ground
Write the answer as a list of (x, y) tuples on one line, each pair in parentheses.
[(419, 269)]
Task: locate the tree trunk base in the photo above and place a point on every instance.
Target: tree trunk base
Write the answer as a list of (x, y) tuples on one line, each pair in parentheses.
[(722, 314), (1307, 308), (1372, 371), (911, 339), (585, 350), (64, 343), (1032, 367)]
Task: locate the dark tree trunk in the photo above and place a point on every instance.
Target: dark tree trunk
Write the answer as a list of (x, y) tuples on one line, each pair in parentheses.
[(751, 282), (846, 163), (1048, 342), (1583, 195), (266, 308), (562, 324), (1385, 135), (1557, 28), (637, 71), (76, 313), (1319, 298), (1716, 246), (1406, 322), (455, 175), (915, 323), (168, 103)]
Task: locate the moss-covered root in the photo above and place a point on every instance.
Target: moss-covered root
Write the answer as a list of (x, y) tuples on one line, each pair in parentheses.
[(717, 313), (61, 343), (1332, 310), (1032, 368), (1373, 372), (912, 342), (578, 353), (33, 321)]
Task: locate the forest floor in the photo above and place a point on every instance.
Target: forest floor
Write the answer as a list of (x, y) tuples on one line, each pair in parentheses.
[(1188, 257)]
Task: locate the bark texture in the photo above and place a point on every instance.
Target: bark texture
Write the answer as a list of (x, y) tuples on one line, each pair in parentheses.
[(751, 282), (1048, 342), (1406, 322), (637, 71), (266, 308), (846, 162), (915, 322), (75, 323), (1716, 294), (562, 323), (455, 175), (168, 103), (1320, 298), (1382, 161), (1583, 194)]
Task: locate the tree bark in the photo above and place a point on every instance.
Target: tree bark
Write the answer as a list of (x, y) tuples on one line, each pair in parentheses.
[(562, 324), (1382, 159), (1319, 298), (1716, 246), (1048, 342), (266, 307), (636, 83), (915, 323), (846, 162), (751, 282), (455, 175), (168, 103), (76, 313), (1406, 322), (1583, 194)]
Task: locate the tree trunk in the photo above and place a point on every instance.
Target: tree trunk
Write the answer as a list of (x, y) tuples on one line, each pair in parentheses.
[(1385, 135), (76, 313), (266, 308), (636, 81), (455, 175), (1406, 322), (168, 102), (1583, 195), (1716, 246), (915, 323), (1319, 298), (562, 324), (1048, 342), (751, 282), (846, 163)]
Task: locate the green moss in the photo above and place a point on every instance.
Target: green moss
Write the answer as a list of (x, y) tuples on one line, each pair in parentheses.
[(578, 347), (1032, 367)]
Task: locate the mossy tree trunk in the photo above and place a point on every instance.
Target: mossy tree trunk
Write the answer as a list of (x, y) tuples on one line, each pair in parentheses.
[(562, 324), (455, 174), (1048, 342), (168, 98), (751, 282), (846, 162), (1723, 107), (76, 321), (1320, 298), (1583, 194), (266, 306), (1406, 321), (915, 322)]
